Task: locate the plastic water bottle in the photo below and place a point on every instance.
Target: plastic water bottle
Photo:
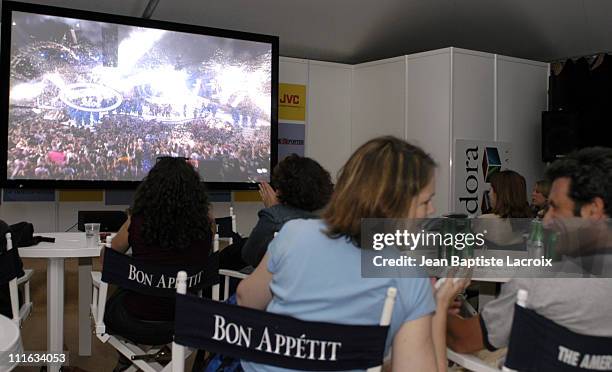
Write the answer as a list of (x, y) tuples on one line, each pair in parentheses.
[(449, 226), (535, 243), (551, 246), (468, 251)]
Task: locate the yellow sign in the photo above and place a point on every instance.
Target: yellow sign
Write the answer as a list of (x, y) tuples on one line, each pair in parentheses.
[(81, 195), (292, 102), (247, 196)]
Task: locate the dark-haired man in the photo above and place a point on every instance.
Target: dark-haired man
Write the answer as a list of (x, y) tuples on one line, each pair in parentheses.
[(301, 187), (581, 191)]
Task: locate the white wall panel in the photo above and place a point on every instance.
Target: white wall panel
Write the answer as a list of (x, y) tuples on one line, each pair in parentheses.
[(473, 95), (379, 100), (521, 98), (428, 115), (40, 214), (293, 71), (328, 130)]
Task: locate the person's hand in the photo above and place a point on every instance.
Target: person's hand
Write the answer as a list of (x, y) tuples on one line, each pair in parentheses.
[(455, 306), (268, 195), (446, 294)]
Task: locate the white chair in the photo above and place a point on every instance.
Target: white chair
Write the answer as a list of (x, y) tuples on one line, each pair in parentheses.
[(228, 274), (20, 313), (10, 344), (234, 222), (143, 357), (470, 362), (198, 320), (226, 226)]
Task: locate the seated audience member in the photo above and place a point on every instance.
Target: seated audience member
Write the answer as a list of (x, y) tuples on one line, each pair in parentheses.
[(301, 187), (169, 224), (508, 200), (539, 197), (312, 269), (580, 192)]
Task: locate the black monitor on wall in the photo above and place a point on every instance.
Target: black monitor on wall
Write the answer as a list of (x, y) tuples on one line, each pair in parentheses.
[(92, 100), (110, 221), (566, 131)]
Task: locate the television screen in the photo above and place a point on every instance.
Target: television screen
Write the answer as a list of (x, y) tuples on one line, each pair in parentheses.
[(94, 99)]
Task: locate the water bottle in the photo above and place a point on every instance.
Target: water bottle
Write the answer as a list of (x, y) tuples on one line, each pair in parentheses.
[(468, 251), (535, 243), (449, 227), (551, 245)]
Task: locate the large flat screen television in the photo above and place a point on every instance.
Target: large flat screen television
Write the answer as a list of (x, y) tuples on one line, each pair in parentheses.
[(92, 100)]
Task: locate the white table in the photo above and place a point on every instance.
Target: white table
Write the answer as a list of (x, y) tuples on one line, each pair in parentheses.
[(67, 245), (10, 342)]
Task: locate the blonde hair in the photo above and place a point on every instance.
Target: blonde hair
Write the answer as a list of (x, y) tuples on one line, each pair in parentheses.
[(380, 180), (543, 187)]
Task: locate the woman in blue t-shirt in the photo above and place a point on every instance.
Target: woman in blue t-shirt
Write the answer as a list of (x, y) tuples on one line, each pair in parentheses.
[(312, 270)]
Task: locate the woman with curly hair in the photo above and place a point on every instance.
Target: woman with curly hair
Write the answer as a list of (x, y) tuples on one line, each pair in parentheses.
[(300, 186), (170, 224)]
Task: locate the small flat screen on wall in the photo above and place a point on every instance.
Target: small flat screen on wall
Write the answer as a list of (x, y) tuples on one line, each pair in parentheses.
[(90, 99)]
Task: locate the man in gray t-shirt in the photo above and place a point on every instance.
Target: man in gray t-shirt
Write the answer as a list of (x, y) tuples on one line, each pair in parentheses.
[(581, 185)]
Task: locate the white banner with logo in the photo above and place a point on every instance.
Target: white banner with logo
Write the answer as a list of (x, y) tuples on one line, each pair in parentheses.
[(473, 164)]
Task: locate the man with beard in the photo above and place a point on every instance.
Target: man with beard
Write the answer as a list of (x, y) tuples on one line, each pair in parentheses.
[(580, 205)]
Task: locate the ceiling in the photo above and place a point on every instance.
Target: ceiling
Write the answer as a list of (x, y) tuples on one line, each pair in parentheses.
[(353, 31)]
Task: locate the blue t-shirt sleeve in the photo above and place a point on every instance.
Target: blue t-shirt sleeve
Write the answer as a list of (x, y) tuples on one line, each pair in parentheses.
[(416, 298), (277, 249), (272, 257)]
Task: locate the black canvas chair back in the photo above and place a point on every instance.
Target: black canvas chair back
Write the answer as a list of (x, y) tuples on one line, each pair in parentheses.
[(11, 266), (109, 221), (539, 344), (149, 279), (156, 279), (224, 227), (279, 340)]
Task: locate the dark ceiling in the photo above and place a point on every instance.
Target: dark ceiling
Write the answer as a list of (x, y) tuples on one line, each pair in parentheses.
[(352, 31)]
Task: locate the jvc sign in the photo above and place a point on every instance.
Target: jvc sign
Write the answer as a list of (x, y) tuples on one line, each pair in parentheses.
[(290, 99), (474, 162)]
